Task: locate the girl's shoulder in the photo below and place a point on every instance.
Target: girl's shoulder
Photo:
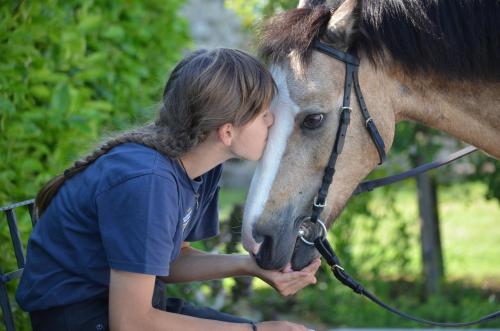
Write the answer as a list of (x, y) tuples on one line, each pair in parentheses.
[(131, 160)]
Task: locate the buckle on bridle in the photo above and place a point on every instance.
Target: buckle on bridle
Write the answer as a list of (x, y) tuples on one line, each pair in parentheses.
[(302, 233), (336, 266), (318, 205), (368, 120)]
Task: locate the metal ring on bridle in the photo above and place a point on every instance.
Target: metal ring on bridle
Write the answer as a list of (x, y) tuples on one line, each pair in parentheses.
[(323, 229)]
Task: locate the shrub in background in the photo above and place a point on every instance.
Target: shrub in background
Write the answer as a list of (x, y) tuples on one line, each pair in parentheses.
[(73, 70)]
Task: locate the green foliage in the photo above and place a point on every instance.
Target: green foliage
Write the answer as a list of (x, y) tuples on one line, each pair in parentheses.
[(252, 11), (486, 169), (73, 70), (339, 306)]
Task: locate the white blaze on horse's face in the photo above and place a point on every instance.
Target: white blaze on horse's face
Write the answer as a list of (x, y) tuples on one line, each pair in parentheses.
[(284, 111)]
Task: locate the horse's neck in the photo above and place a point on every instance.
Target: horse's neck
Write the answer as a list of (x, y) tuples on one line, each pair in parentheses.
[(466, 110)]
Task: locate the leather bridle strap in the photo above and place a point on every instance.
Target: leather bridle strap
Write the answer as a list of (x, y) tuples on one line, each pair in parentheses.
[(320, 201), (345, 117), (351, 79), (339, 55), (379, 182), (333, 261), (352, 64), (369, 123)]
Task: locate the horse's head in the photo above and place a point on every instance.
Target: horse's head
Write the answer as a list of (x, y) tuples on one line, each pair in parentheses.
[(307, 112)]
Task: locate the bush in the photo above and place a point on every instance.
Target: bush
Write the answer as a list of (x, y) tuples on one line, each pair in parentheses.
[(72, 70)]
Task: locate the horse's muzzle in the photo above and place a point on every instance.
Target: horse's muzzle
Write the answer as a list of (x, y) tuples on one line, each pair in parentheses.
[(282, 246)]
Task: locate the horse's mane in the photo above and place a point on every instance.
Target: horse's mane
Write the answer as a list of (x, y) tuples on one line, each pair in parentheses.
[(453, 38)]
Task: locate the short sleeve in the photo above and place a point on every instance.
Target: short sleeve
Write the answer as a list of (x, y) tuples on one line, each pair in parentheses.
[(138, 221), (208, 224)]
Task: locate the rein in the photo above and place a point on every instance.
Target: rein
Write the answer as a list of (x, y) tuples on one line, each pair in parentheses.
[(321, 243)]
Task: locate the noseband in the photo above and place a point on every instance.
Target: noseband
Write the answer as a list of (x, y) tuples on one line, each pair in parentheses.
[(322, 245)]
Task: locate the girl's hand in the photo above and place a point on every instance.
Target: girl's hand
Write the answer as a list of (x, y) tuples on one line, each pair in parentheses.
[(289, 282)]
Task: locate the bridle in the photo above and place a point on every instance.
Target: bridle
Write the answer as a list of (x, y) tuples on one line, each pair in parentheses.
[(351, 60), (351, 78)]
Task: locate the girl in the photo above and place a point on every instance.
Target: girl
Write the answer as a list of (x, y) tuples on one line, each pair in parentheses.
[(126, 213)]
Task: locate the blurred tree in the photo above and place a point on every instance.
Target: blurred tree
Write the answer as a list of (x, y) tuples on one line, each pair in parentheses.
[(427, 195)]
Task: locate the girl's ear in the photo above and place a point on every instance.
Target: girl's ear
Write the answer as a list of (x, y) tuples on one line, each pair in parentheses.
[(226, 133)]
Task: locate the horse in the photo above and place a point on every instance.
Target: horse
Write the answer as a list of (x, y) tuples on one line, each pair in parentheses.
[(436, 62)]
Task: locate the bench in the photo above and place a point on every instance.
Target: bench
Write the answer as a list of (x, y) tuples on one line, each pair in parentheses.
[(7, 276)]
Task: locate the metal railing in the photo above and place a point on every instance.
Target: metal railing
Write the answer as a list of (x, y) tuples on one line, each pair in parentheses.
[(10, 275)]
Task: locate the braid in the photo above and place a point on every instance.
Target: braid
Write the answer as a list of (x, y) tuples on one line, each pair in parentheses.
[(176, 136), (84, 162)]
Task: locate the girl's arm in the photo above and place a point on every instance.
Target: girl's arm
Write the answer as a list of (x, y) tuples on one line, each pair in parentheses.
[(130, 308), (195, 265)]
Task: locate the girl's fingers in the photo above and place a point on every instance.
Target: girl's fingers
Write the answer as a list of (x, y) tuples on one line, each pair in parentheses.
[(294, 288), (313, 267), (291, 282), (297, 284)]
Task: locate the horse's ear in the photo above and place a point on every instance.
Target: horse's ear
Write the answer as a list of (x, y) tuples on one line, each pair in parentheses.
[(343, 24)]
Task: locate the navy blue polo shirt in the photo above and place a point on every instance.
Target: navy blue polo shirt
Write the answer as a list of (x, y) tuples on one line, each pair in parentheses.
[(129, 210)]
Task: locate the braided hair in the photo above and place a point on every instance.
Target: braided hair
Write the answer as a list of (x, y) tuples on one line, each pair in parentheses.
[(204, 91)]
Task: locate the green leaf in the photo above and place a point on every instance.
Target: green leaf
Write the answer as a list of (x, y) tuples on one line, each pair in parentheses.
[(41, 92), (114, 32), (60, 101), (90, 23), (6, 107)]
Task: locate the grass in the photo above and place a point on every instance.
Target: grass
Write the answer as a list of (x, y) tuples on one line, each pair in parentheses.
[(471, 234), (470, 230)]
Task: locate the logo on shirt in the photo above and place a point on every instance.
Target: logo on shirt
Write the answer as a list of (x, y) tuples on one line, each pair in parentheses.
[(186, 218)]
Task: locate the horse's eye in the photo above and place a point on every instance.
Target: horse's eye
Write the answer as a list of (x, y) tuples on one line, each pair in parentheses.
[(313, 121)]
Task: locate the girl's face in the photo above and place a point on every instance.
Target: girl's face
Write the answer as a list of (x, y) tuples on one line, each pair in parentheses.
[(250, 139)]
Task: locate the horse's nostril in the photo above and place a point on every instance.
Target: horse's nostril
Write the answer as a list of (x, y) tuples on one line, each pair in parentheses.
[(264, 257), (259, 238)]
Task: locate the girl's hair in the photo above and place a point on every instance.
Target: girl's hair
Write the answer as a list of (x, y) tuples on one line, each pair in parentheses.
[(204, 91)]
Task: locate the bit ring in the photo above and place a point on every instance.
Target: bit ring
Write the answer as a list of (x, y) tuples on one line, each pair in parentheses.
[(301, 232)]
